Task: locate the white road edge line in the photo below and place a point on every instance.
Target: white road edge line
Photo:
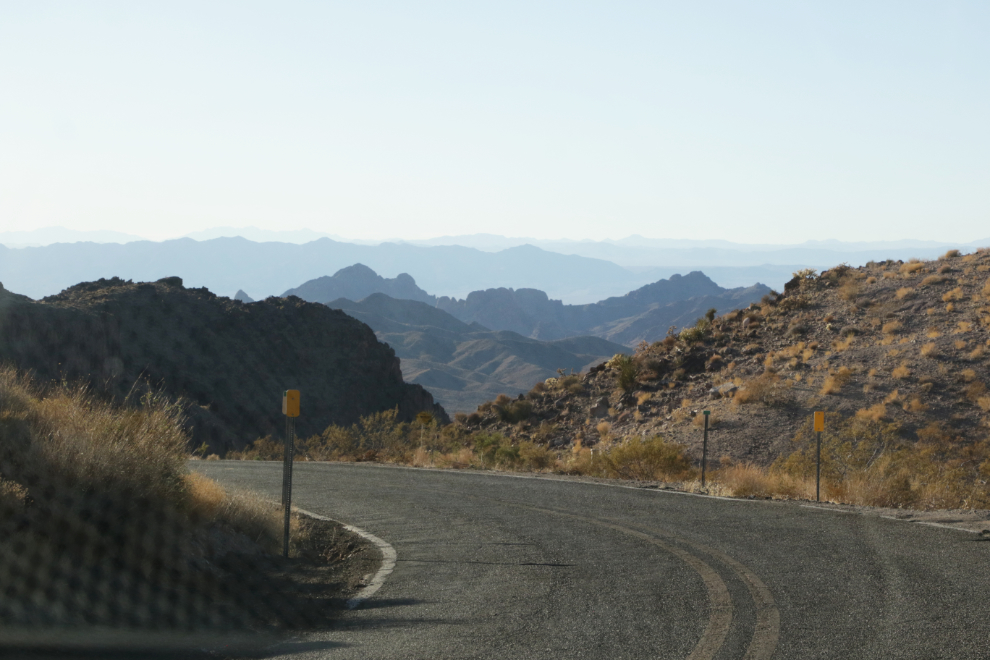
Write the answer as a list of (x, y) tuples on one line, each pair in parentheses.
[(825, 508), (958, 529), (389, 557)]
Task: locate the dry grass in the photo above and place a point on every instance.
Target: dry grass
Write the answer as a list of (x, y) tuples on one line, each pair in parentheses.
[(929, 350), (836, 381), (892, 327), (748, 480), (951, 254), (953, 295), (840, 345), (905, 292), (901, 372), (932, 280), (874, 413), (911, 267), (121, 456)]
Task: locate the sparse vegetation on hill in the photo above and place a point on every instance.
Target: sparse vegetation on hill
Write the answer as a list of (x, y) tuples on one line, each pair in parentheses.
[(902, 376)]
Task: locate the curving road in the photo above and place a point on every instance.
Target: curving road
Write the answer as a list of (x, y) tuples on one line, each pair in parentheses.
[(497, 566)]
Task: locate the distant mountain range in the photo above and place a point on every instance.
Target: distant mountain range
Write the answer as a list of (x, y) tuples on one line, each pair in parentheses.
[(621, 265), (463, 365), (641, 315), (644, 314), (225, 265), (504, 340)]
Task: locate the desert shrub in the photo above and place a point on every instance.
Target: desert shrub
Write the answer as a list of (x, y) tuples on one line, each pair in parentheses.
[(901, 372), (625, 377), (748, 480), (911, 267), (849, 290), (951, 254), (514, 411), (691, 335), (767, 389), (929, 350), (834, 382), (535, 457), (380, 431), (953, 295), (262, 449), (486, 445), (932, 280), (334, 443), (570, 383), (648, 459), (892, 327), (904, 292), (874, 413)]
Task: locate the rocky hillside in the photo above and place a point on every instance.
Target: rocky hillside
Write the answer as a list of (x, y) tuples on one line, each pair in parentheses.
[(464, 365), (358, 282), (231, 360), (641, 315), (901, 347)]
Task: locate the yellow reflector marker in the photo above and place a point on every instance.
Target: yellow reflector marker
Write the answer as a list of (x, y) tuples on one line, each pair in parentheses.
[(290, 403), (819, 421)]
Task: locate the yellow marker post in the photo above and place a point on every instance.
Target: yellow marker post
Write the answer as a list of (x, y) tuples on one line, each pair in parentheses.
[(819, 427), (290, 403), (290, 408)]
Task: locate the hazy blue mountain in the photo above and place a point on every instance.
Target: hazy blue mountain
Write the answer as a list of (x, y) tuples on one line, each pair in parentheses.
[(644, 314), (357, 282), (243, 297), (225, 265), (461, 364), (49, 235)]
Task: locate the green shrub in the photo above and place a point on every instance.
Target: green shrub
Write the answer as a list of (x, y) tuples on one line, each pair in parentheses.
[(514, 411), (625, 377)]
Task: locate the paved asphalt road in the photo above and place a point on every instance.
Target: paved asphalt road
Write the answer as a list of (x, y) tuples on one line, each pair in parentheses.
[(496, 566)]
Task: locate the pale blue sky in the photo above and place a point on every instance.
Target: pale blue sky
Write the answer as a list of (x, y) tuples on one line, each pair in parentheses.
[(748, 121)]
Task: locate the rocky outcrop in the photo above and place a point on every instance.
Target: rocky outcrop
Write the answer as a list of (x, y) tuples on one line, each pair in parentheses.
[(229, 360)]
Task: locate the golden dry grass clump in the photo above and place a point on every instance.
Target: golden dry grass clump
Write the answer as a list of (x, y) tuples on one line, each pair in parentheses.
[(99, 489)]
